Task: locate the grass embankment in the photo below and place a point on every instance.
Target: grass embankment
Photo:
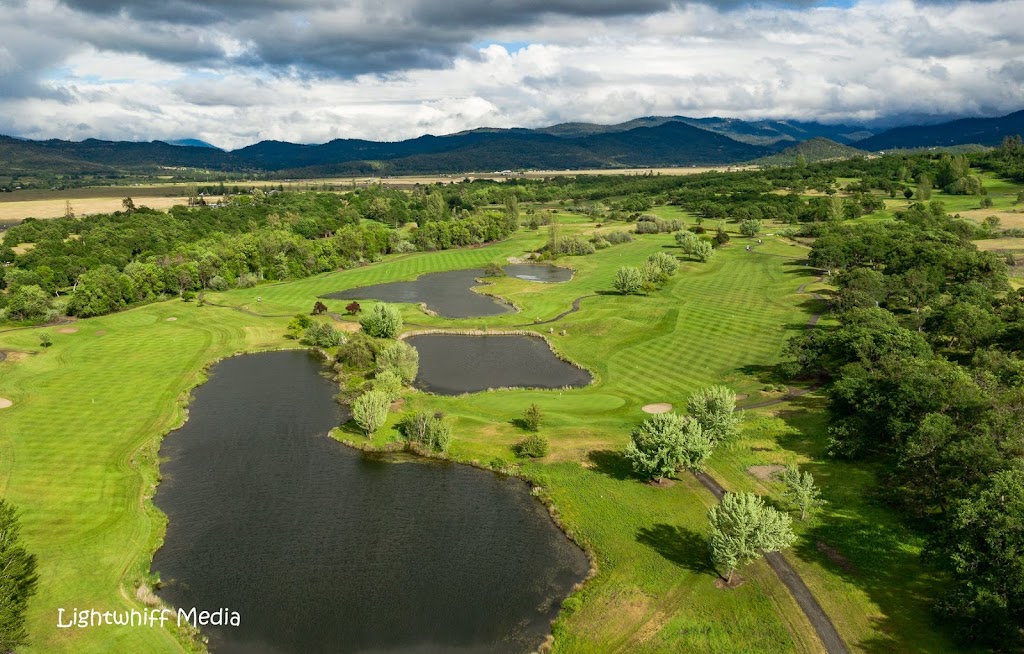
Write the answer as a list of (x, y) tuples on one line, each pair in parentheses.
[(77, 450)]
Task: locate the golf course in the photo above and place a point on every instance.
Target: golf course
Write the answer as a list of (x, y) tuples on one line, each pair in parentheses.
[(79, 442)]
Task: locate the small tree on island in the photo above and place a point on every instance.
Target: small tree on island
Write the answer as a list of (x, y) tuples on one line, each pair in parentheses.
[(384, 321), (370, 411), (714, 408), (664, 442), (45, 340), (801, 491), (742, 529), (628, 279), (353, 308), (18, 581), (532, 417), (401, 358)]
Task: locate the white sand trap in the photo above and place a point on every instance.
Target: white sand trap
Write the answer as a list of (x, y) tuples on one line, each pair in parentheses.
[(67, 330), (171, 319), (4, 403), (661, 407)]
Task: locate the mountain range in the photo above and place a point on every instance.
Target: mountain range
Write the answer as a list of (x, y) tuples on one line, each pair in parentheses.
[(647, 141)]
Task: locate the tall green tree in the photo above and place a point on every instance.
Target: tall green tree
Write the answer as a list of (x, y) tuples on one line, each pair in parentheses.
[(801, 491), (18, 581), (628, 279), (714, 409), (665, 442), (742, 529), (370, 410), (401, 358)]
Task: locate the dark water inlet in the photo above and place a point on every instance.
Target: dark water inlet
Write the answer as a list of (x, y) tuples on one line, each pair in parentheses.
[(452, 364), (448, 294), (322, 549), (538, 272)]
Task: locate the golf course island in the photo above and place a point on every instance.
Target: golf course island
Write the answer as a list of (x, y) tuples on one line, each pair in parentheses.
[(769, 410)]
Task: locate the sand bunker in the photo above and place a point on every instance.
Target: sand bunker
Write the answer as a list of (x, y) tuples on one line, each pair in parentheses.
[(67, 330), (764, 473), (11, 355), (171, 319), (662, 407), (4, 403), (101, 332)]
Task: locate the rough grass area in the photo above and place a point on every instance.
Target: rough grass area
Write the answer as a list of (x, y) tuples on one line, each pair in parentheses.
[(77, 449)]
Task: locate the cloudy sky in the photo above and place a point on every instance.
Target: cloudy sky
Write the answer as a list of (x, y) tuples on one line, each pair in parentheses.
[(312, 70)]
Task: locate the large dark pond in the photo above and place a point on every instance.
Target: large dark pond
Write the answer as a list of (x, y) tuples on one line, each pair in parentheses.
[(323, 549), (451, 364), (538, 272), (446, 293)]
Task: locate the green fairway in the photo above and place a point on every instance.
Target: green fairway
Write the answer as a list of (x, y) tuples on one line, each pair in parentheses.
[(77, 448)]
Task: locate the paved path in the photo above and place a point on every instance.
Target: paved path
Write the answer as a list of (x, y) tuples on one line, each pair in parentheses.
[(823, 626)]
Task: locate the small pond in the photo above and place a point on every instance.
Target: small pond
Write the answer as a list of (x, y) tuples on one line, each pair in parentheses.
[(448, 294), (538, 272), (320, 548), (451, 364)]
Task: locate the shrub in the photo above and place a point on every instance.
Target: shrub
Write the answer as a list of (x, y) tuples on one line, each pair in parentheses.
[(750, 227), (353, 308), (628, 279), (247, 280), (45, 340), (299, 324), (218, 283), (428, 429), (703, 251), (619, 236), (383, 321), (533, 446), (721, 236), (401, 358), (493, 270), (358, 351), (322, 334), (532, 417), (389, 383)]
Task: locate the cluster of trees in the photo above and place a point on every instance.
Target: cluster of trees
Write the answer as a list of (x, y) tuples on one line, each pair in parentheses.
[(654, 274), (926, 371), (666, 442), (98, 264), (1007, 160), (699, 248)]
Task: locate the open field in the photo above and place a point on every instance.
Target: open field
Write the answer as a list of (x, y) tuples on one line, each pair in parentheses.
[(82, 206), (94, 405)]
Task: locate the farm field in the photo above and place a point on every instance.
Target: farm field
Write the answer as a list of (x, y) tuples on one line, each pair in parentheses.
[(78, 408)]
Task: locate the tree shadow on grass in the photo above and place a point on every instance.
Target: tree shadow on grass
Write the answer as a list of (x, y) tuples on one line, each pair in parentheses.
[(683, 547), (611, 463)]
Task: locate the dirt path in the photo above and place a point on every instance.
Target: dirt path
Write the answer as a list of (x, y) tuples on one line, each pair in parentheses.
[(823, 626)]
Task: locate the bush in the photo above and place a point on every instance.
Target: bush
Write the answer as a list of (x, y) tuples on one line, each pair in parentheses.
[(721, 236), (619, 236), (45, 340), (628, 279), (389, 383), (353, 308), (532, 417), (703, 251), (358, 351), (322, 334), (247, 280), (428, 429), (493, 270), (299, 324), (750, 227), (383, 322), (401, 358), (533, 446), (218, 283)]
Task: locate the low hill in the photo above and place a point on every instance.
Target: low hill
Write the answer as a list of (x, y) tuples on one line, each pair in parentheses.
[(817, 149), (983, 131)]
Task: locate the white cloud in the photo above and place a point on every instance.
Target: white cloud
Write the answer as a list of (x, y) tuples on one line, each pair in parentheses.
[(871, 61)]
